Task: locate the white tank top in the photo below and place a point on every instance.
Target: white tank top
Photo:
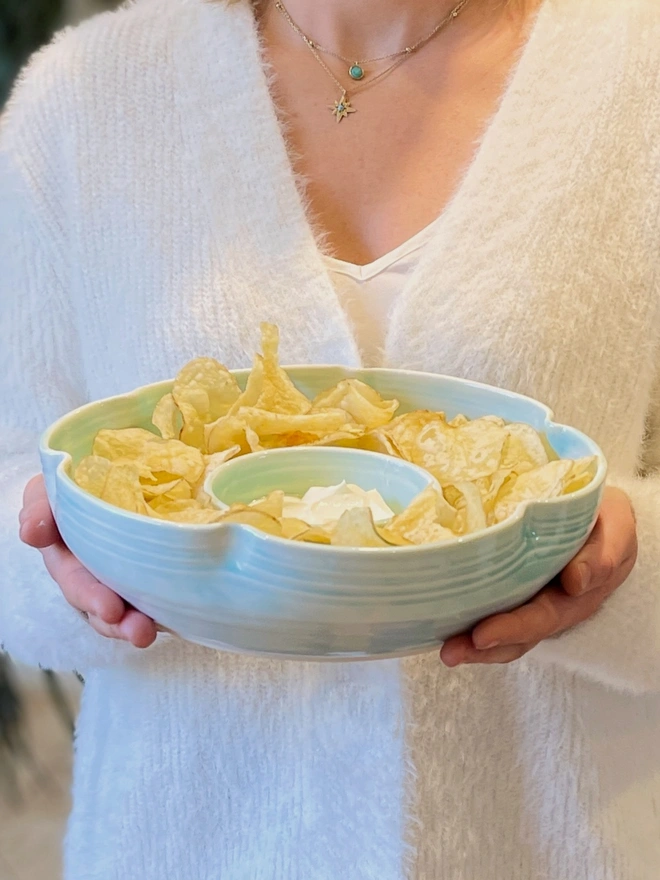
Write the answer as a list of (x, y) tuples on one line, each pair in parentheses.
[(368, 293)]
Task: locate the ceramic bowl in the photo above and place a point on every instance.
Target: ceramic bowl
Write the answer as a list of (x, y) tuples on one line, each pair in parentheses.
[(231, 587)]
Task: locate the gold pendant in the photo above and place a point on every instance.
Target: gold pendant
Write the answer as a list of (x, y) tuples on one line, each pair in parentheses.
[(342, 108)]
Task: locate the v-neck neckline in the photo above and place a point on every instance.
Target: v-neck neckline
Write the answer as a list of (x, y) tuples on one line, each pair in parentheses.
[(212, 87), (367, 271)]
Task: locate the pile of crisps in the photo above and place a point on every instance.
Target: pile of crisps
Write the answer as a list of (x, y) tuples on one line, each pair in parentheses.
[(485, 467)]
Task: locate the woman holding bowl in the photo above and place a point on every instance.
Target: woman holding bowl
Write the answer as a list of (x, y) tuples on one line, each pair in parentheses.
[(470, 188)]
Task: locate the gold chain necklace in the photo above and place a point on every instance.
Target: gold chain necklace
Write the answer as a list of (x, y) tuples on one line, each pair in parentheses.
[(342, 108)]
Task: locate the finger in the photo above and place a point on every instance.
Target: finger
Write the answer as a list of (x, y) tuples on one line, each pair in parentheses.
[(107, 630), (138, 629), (80, 587), (455, 649), (34, 490), (460, 649), (37, 525), (503, 654), (550, 612), (610, 553), (135, 628)]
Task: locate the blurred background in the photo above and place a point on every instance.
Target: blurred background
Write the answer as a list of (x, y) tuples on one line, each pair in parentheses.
[(37, 708), (27, 24)]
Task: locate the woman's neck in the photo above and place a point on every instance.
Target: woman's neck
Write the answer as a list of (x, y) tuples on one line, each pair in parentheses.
[(377, 27), (368, 27)]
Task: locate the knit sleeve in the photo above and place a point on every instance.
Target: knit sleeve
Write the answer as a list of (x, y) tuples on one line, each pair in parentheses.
[(41, 374), (620, 645)]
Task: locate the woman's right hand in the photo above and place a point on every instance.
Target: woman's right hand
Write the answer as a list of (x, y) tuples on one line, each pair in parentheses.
[(106, 612)]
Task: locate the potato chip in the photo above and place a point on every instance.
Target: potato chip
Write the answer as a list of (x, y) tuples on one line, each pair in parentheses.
[(202, 516), (204, 390), (150, 454), (401, 433), (123, 489), (278, 393), (475, 450), (490, 487), (299, 438), (173, 505), (470, 508), (122, 443), (226, 433), (91, 474), (363, 403), (407, 425), (348, 436), (378, 441), (207, 386), (269, 386), (493, 420), (446, 513), (537, 485), (173, 490), (253, 440), (392, 538), (265, 423), (172, 457), (213, 461), (467, 452), (356, 528), (253, 386), (167, 418), (523, 449), (314, 535), (255, 518), (272, 504), (183, 511), (292, 527), (420, 523), (278, 441), (458, 421), (582, 472), (146, 475)]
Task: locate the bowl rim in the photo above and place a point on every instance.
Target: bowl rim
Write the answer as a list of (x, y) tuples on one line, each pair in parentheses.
[(522, 512)]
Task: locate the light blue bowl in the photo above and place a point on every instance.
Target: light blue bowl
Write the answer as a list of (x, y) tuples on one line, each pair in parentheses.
[(229, 586), (297, 469)]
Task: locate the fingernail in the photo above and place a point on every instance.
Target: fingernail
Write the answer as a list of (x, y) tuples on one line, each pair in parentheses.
[(584, 570), (488, 645)]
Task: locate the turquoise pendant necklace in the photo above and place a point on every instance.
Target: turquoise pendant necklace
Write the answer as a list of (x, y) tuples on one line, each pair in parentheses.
[(342, 108)]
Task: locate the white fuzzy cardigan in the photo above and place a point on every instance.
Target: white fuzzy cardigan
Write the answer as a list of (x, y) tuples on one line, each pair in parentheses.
[(149, 214)]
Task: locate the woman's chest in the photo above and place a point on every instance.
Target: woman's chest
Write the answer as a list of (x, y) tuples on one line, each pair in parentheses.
[(391, 166)]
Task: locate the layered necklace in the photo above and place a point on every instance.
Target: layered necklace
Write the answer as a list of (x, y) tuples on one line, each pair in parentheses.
[(358, 69)]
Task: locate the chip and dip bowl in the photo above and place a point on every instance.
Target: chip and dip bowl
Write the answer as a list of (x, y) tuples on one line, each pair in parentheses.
[(229, 586)]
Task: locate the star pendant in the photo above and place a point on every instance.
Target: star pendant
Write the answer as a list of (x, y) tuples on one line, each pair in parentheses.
[(342, 108)]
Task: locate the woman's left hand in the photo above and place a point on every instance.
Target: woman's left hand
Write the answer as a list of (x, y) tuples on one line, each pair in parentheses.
[(600, 567)]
